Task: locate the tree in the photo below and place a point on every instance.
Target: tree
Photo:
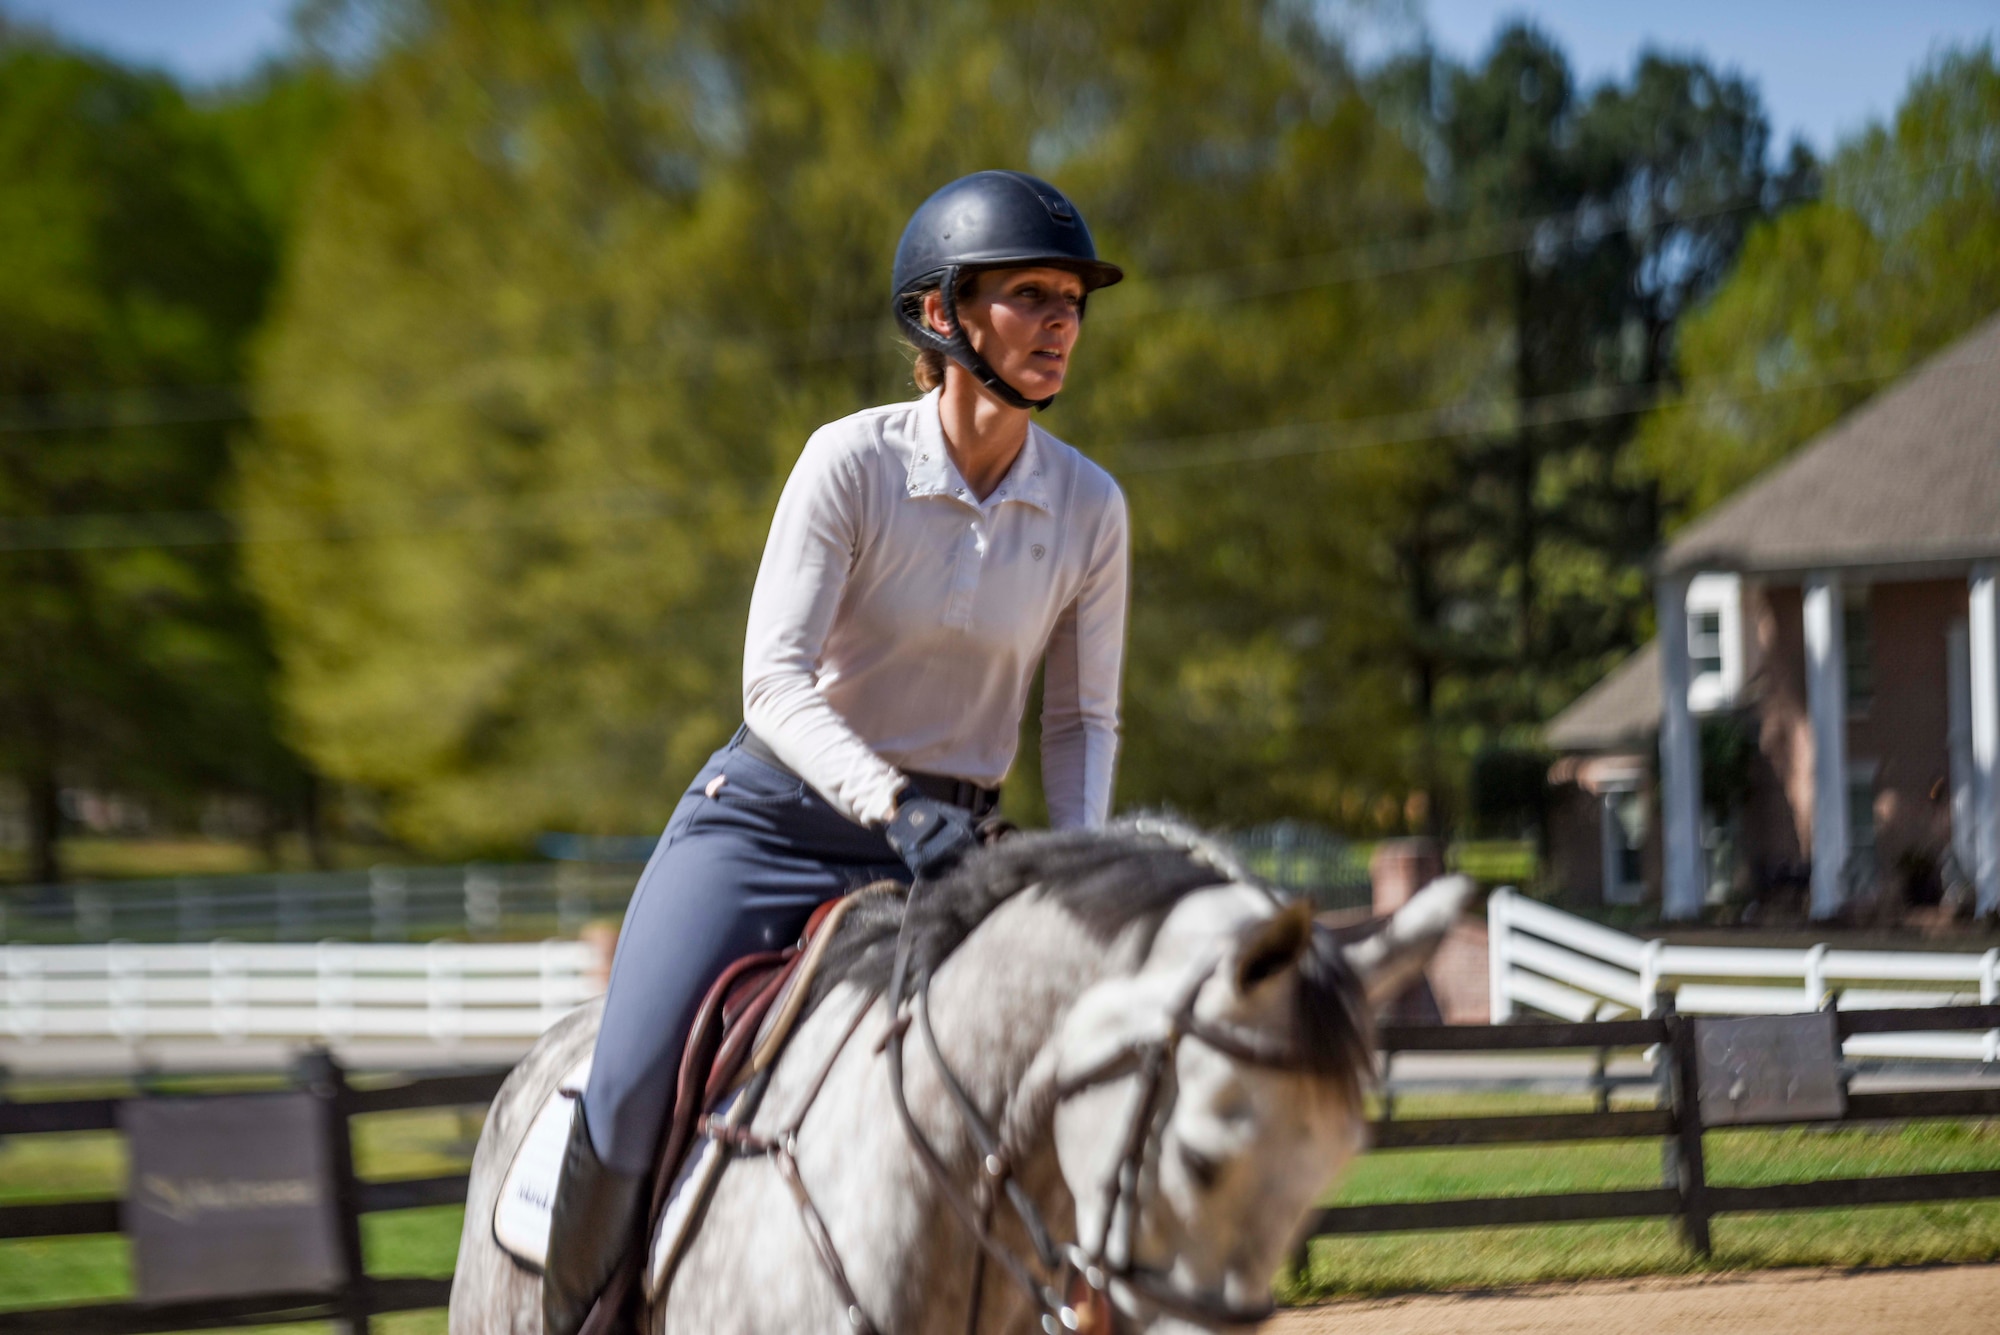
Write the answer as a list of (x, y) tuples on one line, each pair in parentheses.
[(1609, 212), (136, 266), (1831, 301), (578, 281)]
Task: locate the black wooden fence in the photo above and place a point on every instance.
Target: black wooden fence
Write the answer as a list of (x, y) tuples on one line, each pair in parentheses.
[(1687, 1195), (359, 1296), (1685, 1192)]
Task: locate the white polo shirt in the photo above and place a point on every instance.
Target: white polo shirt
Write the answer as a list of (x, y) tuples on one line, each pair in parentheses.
[(897, 621)]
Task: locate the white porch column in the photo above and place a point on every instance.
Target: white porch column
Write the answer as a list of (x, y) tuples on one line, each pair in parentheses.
[(1983, 634), (1685, 871), (1826, 698)]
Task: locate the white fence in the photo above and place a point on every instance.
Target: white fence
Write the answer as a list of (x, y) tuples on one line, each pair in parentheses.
[(442, 992), (1563, 965)]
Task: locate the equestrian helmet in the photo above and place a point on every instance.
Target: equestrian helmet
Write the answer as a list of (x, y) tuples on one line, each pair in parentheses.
[(988, 220)]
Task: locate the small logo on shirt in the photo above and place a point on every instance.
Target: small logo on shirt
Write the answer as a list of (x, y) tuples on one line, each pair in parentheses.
[(1038, 551)]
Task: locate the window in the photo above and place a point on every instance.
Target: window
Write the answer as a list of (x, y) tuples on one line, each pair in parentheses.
[(1705, 642), (1715, 641), (1623, 830), (1860, 872), (1858, 637)]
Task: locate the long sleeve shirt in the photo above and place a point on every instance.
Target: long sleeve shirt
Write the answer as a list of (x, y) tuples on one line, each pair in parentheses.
[(897, 619)]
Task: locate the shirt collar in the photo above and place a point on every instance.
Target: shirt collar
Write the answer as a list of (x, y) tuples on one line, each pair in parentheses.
[(932, 472)]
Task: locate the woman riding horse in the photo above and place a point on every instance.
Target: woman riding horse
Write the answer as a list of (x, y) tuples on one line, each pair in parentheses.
[(924, 558)]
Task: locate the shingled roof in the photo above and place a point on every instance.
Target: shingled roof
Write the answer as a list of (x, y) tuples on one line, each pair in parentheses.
[(1911, 477), (1620, 713)]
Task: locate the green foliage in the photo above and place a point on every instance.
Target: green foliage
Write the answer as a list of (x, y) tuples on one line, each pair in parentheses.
[(1833, 300), (136, 264), (1508, 791), (1609, 211), (575, 290), (1729, 751)]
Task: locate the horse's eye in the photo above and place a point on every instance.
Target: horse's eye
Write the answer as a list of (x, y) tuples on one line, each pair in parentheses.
[(1202, 1169)]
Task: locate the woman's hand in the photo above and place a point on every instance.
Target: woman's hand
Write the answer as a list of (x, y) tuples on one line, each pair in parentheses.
[(928, 835)]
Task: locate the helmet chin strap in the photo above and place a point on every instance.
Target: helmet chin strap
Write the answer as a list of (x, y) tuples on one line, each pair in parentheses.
[(959, 348)]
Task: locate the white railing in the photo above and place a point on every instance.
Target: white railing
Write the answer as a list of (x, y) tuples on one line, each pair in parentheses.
[(443, 991), (1562, 965)]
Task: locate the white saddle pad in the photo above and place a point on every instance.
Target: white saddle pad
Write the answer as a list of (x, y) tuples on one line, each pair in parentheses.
[(528, 1193)]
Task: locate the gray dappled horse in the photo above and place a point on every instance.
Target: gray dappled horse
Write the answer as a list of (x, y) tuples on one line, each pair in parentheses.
[(1130, 1064)]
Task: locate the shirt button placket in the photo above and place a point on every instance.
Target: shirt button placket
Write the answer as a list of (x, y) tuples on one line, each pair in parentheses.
[(965, 577)]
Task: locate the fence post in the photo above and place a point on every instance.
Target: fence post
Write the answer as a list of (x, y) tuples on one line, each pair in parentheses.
[(1686, 1171), (1815, 974), (387, 895), (1989, 993), (321, 1076), (1649, 977), (482, 902), (1498, 1008)]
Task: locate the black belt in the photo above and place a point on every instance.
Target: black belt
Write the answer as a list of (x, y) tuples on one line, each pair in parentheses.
[(981, 802)]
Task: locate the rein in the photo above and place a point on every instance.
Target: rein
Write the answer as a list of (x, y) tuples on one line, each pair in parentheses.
[(1080, 1299)]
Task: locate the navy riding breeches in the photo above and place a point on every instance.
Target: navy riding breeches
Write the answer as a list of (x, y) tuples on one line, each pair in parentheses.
[(750, 852)]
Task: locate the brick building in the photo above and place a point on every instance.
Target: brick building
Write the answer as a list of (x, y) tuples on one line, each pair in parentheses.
[(1839, 617)]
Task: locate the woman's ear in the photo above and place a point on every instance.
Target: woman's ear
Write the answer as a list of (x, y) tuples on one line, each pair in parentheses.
[(934, 316)]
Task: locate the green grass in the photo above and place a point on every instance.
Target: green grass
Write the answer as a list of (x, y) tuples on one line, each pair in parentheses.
[(36, 1273), (1495, 861), (1489, 1257), (98, 857)]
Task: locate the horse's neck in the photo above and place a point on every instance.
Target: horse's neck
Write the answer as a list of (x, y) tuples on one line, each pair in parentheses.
[(996, 1005), (997, 1001)]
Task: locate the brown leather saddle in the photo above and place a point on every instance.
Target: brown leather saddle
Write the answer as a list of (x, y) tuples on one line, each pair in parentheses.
[(740, 1029)]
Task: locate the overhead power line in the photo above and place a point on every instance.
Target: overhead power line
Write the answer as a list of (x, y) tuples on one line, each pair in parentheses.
[(479, 513), (848, 340)]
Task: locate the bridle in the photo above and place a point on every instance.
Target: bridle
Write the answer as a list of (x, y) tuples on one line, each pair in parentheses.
[(1076, 1295), (1080, 1298)]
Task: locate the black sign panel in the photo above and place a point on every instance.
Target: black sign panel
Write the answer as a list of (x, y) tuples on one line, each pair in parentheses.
[(230, 1196)]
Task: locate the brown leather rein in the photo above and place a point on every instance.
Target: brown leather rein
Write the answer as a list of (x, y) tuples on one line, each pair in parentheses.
[(1078, 1297)]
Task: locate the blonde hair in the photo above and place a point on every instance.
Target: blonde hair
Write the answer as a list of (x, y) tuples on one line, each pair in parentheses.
[(928, 371)]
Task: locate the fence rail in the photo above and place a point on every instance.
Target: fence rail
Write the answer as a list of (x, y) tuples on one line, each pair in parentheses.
[(1685, 1193), (359, 1294), (478, 900), (442, 991), (1559, 964)]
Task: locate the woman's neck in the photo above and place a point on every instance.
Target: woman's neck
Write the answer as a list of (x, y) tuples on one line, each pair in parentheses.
[(983, 435)]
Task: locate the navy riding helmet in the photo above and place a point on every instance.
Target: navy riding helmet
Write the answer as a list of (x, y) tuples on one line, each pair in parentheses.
[(988, 220)]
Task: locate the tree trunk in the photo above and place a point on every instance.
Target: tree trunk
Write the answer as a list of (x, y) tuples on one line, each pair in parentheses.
[(44, 825), (312, 817)]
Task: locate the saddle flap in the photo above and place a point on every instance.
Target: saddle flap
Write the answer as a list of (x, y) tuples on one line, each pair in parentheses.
[(699, 1172), (527, 1195)]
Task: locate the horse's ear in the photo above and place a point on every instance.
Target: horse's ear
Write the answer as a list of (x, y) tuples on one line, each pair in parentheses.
[(1275, 946), (1390, 960)]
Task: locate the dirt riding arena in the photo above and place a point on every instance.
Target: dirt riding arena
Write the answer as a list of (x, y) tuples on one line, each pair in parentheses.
[(1942, 1300)]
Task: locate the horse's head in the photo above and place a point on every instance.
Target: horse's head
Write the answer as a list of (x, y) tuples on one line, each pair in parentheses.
[(1207, 1099)]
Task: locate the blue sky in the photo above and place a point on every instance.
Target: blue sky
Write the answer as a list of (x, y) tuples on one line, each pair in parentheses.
[(1825, 66)]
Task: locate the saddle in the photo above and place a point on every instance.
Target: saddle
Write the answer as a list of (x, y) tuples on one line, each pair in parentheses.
[(739, 1032)]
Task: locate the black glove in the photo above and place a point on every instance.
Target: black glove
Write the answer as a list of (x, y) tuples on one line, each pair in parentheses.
[(930, 836)]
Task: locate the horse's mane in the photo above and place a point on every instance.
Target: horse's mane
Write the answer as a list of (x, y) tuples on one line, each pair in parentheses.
[(1126, 877)]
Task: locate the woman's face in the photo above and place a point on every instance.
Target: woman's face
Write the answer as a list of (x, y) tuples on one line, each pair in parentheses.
[(1024, 322)]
